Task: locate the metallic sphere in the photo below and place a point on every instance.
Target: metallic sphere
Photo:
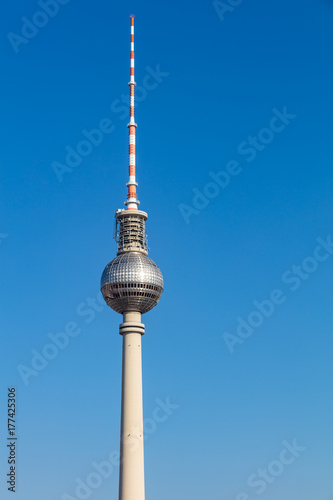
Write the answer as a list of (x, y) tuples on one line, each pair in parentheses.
[(132, 282)]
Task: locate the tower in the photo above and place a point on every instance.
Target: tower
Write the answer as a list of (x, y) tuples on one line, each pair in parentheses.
[(131, 285)]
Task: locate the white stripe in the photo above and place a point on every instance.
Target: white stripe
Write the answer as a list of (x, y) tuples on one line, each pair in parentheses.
[(132, 30), (132, 139), (132, 101), (132, 46), (132, 160), (132, 179)]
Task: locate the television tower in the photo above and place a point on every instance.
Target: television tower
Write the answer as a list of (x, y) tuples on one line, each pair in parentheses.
[(131, 285)]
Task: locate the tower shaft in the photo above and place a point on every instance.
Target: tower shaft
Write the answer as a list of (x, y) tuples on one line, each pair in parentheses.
[(131, 474)]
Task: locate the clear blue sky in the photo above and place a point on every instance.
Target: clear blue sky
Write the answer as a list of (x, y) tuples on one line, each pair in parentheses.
[(243, 97)]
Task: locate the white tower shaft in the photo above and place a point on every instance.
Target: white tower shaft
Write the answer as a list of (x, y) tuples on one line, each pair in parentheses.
[(131, 474)]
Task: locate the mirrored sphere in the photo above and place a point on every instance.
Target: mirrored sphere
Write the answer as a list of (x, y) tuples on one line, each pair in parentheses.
[(132, 282)]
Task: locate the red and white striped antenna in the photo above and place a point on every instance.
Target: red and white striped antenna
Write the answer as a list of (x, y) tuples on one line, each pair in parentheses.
[(132, 201)]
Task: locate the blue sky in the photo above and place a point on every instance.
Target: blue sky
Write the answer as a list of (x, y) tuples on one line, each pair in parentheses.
[(234, 116)]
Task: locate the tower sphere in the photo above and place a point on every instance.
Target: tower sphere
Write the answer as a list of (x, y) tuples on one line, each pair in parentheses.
[(132, 282)]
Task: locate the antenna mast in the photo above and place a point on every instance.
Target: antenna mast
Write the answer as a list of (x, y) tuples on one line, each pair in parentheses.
[(132, 201)]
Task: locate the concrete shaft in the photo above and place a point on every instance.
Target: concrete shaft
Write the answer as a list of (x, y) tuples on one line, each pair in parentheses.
[(131, 475)]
